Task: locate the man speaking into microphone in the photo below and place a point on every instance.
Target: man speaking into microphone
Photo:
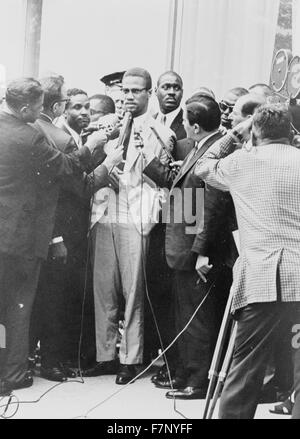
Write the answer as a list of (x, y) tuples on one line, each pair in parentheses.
[(122, 217)]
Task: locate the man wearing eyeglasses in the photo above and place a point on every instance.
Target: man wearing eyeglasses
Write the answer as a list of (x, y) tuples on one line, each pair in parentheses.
[(227, 104), (122, 218)]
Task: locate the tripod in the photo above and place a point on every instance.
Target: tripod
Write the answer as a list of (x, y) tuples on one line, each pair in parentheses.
[(217, 379)]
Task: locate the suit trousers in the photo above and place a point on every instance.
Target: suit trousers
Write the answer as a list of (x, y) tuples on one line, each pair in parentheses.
[(159, 281), (57, 312), (18, 283), (196, 345), (119, 252), (258, 328)]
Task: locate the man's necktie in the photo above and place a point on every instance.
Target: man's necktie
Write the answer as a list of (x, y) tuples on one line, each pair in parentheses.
[(163, 119)]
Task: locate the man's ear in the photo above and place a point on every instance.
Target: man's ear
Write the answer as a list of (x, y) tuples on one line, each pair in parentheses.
[(23, 111), (150, 92), (197, 128), (54, 107)]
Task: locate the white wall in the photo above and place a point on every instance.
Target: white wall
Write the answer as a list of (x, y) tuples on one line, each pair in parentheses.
[(12, 15), (85, 39)]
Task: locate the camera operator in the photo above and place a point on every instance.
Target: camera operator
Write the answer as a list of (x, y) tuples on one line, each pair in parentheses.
[(264, 184)]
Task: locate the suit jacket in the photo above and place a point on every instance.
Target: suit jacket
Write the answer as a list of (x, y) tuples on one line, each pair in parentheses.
[(177, 126), (147, 194), (186, 237), (264, 183), (181, 149), (73, 207), (29, 168)]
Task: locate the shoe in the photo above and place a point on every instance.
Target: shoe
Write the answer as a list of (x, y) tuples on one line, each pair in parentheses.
[(101, 368), (285, 408), (175, 383), (126, 373), (69, 373), (162, 374), (7, 387), (53, 374), (187, 393)]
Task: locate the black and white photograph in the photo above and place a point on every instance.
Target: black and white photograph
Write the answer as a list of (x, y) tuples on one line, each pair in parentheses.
[(149, 212)]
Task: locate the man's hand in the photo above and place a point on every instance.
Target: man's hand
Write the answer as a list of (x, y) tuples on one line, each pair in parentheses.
[(96, 141), (244, 128), (178, 164), (114, 157), (203, 267), (114, 179), (110, 124), (58, 252)]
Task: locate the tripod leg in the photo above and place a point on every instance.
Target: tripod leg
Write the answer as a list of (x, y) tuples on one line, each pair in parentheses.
[(223, 372), (214, 368)]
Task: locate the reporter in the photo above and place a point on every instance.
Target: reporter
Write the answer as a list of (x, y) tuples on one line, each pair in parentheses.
[(30, 168), (57, 309)]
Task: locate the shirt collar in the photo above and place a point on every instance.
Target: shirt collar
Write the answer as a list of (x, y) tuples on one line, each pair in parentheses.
[(170, 117), (202, 141), (74, 134)]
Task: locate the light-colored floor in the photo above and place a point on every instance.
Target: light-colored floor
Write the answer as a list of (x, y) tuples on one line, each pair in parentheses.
[(140, 400)]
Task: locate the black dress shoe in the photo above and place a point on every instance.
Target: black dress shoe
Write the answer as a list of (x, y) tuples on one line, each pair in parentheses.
[(187, 393), (7, 387), (162, 374), (69, 373), (175, 383), (53, 374), (101, 368), (126, 373)]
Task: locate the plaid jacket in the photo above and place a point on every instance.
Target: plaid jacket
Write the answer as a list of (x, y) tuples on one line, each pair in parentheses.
[(265, 186)]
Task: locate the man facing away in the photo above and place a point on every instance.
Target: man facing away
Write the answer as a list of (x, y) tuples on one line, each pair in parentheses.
[(264, 183), (198, 250)]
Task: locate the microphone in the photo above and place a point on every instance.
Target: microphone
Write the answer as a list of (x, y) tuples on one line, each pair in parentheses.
[(123, 136), (125, 127)]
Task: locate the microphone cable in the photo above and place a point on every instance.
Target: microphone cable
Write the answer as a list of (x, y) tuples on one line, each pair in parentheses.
[(144, 257), (164, 350), (152, 363)]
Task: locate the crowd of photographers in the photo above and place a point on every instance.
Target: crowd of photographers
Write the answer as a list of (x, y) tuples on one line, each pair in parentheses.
[(96, 280)]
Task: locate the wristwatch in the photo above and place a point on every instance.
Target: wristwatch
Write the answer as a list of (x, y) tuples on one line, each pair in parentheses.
[(238, 136)]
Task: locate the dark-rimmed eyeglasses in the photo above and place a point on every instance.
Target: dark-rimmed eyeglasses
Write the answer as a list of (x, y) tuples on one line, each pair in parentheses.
[(133, 91), (224, 106)]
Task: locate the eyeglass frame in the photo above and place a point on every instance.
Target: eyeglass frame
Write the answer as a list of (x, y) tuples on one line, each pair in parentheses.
[(228, 106), (134, 91)]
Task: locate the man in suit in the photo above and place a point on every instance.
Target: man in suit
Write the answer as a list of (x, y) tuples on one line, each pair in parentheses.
[(169, 90), (197, 244), (101, 105), (227, 103), (29, 169), (52, 305), (264, 184), (122, 218)]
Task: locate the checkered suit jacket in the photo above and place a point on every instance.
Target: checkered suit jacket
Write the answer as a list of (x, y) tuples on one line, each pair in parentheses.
[(265, 186)]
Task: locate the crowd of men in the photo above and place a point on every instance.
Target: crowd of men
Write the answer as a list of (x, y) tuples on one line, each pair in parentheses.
[(110, 213)]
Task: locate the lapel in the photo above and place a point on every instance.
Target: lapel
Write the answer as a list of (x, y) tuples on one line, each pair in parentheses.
[(177, 121), (146, 136), (192, 161)]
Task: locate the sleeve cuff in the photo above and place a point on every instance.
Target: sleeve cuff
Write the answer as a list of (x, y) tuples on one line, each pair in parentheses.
[(57, 240)]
